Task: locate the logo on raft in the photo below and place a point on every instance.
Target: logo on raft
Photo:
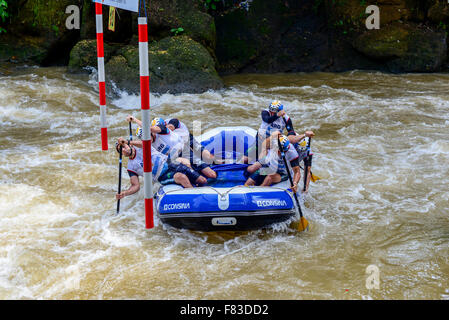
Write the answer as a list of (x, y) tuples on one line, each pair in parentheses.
[(271, 203), (176, 206)]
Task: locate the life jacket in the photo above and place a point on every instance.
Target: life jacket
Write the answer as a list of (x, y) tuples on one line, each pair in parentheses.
[(275, 162), (182, 131), (169, 144), (158, 163), (266, 129)]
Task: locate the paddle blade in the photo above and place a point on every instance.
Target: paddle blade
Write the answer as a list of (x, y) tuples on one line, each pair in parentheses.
[(300, 225), (314, 178)]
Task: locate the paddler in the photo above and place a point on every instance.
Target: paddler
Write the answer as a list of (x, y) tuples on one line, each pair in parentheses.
[(274, 119), (270, 169), (163, 170), (302, 146), (194, 148), (170, 140)]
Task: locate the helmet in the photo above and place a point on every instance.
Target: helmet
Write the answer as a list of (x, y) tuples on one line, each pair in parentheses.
[(284, 142), (301, 145), (157, 121), (139, 133), (275, 106)]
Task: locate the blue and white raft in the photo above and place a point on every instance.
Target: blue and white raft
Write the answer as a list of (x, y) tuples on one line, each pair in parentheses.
[(225, 204)]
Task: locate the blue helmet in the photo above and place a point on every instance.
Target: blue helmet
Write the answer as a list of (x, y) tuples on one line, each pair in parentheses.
[(157, 121), (275, 106)]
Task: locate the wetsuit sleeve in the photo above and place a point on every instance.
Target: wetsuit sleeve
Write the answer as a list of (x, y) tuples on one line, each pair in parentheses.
[(267, 118), (289, 126)]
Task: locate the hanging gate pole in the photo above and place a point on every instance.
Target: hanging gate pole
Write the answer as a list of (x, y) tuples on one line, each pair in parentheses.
[(101, 77), (146, 120)]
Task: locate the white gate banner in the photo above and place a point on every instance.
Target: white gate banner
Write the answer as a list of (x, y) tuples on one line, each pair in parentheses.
[(130, 5)]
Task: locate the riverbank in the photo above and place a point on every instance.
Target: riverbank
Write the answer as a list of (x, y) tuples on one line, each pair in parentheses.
[(192, 46)]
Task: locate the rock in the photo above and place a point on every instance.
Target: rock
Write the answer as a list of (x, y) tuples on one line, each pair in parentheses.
[(42, 24), (24, 49), (439, 12), (386, 43), (405, 47), (84, 54), (272, 36), (177, 64), (187, 14)]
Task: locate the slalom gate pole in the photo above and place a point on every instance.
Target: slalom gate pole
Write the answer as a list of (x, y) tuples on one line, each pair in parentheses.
[(101, 77), (146, 120)]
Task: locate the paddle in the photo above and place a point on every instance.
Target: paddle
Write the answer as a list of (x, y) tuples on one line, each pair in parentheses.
[(313, 177), (303, 225), (119, 179), (306, 164), (130, 132)]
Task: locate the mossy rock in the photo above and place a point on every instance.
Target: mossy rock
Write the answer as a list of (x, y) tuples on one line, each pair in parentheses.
[(84, 54), (24, 49), (439, 12), (405, 47), (43, 22), (385, 43), (177, 65), (43, 18), (166, 15)]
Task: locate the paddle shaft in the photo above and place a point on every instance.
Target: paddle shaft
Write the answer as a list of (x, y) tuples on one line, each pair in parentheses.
[(130, 132), (306, 164), (119, 178), (290, 178)]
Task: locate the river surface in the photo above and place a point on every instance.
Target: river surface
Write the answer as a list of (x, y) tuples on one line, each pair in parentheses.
[(381, 149)]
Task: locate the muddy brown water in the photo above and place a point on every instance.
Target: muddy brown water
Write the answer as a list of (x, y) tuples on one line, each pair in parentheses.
[(381, 149)]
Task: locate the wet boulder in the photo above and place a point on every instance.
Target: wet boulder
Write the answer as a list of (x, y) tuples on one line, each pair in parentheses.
[(38, 33), (177, 65), (84, 54), (405, 47)]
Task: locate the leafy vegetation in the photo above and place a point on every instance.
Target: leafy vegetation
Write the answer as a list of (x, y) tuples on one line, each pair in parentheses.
[(177, 31), (3, 13), (211, 4)]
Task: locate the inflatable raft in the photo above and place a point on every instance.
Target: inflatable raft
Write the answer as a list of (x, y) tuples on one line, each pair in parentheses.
[(225, 204)]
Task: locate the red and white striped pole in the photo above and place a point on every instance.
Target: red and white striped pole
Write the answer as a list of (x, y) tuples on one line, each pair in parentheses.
[(146, 120), (101, 77)]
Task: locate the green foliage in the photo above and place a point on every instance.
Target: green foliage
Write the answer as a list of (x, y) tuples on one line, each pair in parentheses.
[(3, 13), (177, 31), (210, 4)]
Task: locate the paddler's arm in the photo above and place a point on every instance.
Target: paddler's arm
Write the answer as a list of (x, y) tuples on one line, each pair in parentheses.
[(160, 128), (131, 118), (134, 143), (296, 138), (266, 142), (135, 186), (297, 174)]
